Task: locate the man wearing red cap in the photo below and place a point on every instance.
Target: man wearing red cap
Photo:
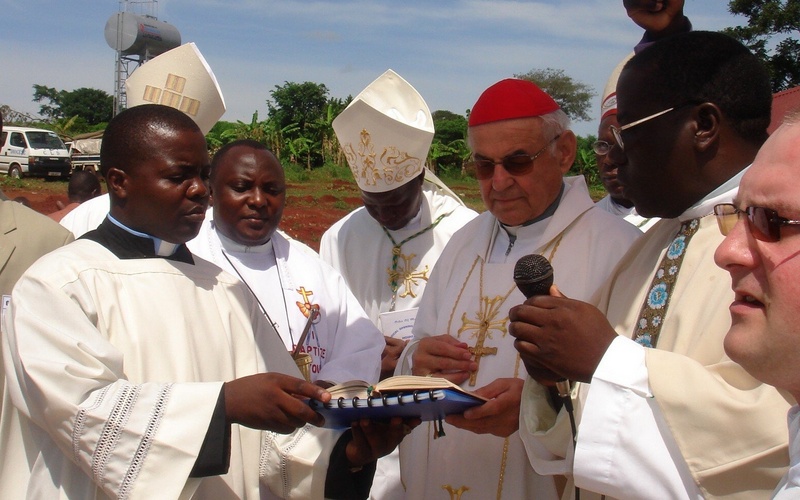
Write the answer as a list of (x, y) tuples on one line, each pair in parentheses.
[(521, 148)]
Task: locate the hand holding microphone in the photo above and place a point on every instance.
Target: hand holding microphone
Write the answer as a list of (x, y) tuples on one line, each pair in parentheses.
[(533, 275), (557, 337)]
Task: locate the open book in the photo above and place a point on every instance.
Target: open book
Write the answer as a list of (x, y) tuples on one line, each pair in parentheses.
[(428, 398)]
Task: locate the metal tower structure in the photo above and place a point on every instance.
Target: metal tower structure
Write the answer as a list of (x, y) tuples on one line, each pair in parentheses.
[(136, 34)]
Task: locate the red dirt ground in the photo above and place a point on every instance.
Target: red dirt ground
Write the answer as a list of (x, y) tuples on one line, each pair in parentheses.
[(304, 218)]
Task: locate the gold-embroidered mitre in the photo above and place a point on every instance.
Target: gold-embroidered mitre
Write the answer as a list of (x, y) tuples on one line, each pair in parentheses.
[(385, 134), (179, 78)]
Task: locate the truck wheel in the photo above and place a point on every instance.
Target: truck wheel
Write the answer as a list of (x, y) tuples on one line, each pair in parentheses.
[(15, 172)]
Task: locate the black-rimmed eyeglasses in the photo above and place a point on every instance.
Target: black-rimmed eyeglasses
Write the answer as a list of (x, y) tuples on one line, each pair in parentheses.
[(516, 164), (765, 223)]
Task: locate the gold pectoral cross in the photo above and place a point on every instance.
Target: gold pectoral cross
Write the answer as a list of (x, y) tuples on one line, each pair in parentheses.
[(482, 327), (409, 274), (455, 494)]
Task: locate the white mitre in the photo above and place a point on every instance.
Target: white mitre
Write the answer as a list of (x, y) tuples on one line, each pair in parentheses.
[(182, 79), (385, 134)]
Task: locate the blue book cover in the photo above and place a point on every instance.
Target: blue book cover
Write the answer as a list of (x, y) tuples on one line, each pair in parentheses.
[(436, 399)]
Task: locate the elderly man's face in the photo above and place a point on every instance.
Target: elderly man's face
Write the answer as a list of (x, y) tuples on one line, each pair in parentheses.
[(249, 193), (515, 200), (765, 333)]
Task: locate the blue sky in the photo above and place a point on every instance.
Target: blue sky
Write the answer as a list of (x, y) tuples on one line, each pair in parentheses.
[(450, 50)]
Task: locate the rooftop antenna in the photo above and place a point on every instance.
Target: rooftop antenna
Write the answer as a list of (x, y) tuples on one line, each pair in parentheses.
[(137, 36)]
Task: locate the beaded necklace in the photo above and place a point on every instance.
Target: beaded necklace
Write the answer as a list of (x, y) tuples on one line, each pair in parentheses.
[(393, 274)]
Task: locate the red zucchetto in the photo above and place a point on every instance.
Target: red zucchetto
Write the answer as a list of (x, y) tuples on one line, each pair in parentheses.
[(508, 99)]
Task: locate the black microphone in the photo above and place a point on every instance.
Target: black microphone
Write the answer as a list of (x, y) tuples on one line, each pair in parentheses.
[(533, 275)]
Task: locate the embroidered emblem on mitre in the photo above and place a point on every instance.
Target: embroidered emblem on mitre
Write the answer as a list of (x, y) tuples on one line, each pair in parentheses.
[(385, 134), (179, 78)]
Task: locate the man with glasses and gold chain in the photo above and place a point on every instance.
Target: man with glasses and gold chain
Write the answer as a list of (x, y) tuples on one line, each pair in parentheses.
[(667, 414), (521, 148)]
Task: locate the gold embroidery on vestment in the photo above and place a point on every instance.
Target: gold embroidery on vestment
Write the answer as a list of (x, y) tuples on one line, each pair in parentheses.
[(409, 274), (455, 494)]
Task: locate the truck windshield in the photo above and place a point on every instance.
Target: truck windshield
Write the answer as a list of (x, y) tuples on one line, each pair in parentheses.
[(45, 140)]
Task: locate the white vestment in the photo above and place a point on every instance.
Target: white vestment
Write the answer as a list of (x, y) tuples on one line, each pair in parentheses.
[(789, 487), (87, 216), (358, 248), (655, 422), (608, 204), (473, 286), (115, 367), (343, 343)]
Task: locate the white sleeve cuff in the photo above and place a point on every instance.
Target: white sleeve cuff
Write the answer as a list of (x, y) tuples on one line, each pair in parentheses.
[(623, 365)]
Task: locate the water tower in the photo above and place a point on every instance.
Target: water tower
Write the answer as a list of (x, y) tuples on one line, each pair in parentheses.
[(137, 36)]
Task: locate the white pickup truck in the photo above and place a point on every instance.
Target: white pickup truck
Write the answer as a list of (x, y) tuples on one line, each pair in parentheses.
[(85, 154)]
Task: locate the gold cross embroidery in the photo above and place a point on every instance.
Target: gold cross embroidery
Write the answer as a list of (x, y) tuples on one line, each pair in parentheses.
[(455, 494), (409, 274), (482, 327), (305, 306)]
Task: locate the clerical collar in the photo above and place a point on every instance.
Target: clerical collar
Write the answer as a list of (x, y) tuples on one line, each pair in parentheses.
[(160, 247), (721, 194), (231, 246), (548, 212), (124, 244)]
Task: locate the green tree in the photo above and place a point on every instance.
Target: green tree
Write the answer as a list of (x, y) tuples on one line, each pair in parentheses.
[(297, 103), (768, 33), (329, 144), (586, 163), (449, 149), (574, 97), (449, 126), (93, 106), (304, 106)]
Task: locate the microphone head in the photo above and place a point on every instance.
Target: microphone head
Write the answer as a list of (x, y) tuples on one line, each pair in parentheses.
[(533, 275)]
